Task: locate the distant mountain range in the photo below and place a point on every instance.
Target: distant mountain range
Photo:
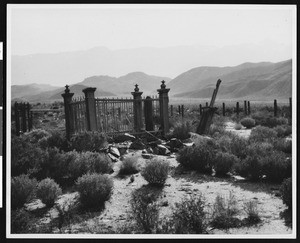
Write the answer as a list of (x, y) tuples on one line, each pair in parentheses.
[(253, 81)]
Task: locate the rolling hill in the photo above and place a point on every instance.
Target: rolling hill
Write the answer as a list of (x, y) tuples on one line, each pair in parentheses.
[(257, 81)]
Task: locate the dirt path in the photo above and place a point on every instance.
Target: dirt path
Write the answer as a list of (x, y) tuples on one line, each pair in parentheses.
[(242, 132)]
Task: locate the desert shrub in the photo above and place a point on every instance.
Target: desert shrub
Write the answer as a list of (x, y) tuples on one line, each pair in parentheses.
[(22, 221), (276, 166), (144, 210), (94, 189), (283, 130), (237, 126), (22, 190), (215, 129), (267, 120), (251, 167), (251, 209), (90, 162), (224, 212), (224, 142), (238, 146), (89, 141), (156, 172), (248, 122), (182, 130), (35, 135), (261, 134), (25, 157), (129, 166), (189, 216), (283, 145), (197, 157), (48, 191), (223, 162), (55, 139), (286, 191)]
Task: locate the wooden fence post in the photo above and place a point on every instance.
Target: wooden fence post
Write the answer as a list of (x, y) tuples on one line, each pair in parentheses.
[(90, 105), (245, 107), (200, 108), (275, 107), (182, 110), (223, 109), (163, 107), (237, 108), (137, 109), (29, 121), (249, 110), (149, 114), (67, 96), (179, 110), (206, 104), (17, 119)]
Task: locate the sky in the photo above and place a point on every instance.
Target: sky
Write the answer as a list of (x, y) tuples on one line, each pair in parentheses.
[(59, 28)]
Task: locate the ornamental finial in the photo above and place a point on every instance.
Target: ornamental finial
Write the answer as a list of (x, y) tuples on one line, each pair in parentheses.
[(136, 88), (163, 86)]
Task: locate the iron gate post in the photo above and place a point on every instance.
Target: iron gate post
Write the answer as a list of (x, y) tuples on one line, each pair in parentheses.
[(163, 107), (90, 105), (137, 109), (68, 112)]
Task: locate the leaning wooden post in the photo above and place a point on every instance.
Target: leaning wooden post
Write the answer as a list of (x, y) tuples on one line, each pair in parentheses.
[(275, 107), (137, 109), (163, 107), (90, 105), (17, 119), (245, 107), (237, 108), (249, 110), (148, 109), (67, 96), (223, 109)]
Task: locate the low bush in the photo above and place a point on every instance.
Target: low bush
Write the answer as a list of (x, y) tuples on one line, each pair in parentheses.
[(22, 222), (22, 190), (144, 210), (94, 189), (251, 209), (89, 141), (182, 130), (283, 145), (55, 139), (268, 120), (238, 146), (197, 157), (35, 135), (286, 190), (224, 212), (189, 216), (283, 130), (156, 172), (276, 166), (262, 134), (251, 167), (129, 166), (248, 122), (48, 191), (223, 163)]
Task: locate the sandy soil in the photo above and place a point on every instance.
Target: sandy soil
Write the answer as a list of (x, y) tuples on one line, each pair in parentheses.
[(179, 185)]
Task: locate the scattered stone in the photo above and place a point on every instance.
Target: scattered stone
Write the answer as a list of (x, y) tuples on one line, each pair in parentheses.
[(164, 203), (124, 137), (175, 144), (147, 156), (137, 144), (188, 144), (149, 150), (144, 151), (112, 157), (123, 148), (163, 150), (172, 156), (114, 151), (35, 205)]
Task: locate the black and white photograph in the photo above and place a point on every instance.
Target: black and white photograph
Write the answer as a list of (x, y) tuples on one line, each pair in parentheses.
[(151, 121)]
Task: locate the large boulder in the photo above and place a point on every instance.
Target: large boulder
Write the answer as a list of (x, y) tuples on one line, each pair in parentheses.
[(114, 151), (163, 150)]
